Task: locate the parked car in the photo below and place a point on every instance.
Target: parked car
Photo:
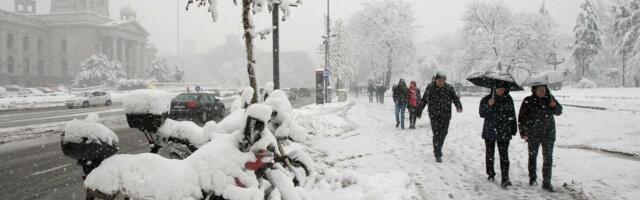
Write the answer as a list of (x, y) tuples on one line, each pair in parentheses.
[(200, 107), (291, 93), (87, 99), (304, 92)]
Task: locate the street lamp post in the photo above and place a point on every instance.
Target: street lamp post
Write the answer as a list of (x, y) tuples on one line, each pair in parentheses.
[(275, 13), (326, 52), (552, 59)]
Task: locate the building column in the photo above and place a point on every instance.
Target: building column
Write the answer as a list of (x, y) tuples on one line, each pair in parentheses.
[(114, 48), (141, 59), (121, 50), (125, 59)]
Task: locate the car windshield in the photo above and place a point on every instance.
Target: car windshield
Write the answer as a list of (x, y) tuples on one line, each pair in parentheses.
[(187, 97), (84, 94)]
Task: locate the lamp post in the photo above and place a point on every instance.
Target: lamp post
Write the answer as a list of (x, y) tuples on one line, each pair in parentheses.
[(552, 59), (326, 52)]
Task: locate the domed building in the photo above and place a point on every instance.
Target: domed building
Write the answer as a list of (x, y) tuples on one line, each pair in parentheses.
[(47, 49)]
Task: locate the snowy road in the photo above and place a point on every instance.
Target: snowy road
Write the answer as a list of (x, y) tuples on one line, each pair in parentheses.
[(36, 168), (375, 146), (20, 118)]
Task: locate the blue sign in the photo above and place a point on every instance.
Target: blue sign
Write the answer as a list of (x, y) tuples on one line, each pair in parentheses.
[(327, 76)]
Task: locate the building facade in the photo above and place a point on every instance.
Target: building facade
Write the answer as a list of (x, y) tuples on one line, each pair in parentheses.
[(47, 49)]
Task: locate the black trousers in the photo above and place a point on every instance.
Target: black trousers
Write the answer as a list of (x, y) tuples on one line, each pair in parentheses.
[(503, 150), (413, 114), (547, 157), (440, 128)]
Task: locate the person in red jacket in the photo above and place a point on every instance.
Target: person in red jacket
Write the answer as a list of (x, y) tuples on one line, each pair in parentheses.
[(413, 97)]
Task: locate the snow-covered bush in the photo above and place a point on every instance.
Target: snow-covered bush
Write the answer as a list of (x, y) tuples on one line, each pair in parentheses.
[(146, 101), (88, 131), (158, 72), (585, 83), (98, 70), (132, 84)]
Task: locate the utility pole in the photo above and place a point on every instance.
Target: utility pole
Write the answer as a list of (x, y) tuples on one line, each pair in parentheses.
[(275, 14), (326, 52), (178, 33), (552, 59)]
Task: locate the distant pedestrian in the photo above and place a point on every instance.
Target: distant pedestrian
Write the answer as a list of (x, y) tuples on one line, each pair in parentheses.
[(538, 127), (381, 90), (372, 90), (499, 126), (438, 97), (413, 100), (400, 98)]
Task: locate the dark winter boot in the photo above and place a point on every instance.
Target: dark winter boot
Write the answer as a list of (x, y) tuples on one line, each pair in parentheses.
[(548, 187), (439, 159), (397, 124), (533, 182), (506, 183), (491, 178)]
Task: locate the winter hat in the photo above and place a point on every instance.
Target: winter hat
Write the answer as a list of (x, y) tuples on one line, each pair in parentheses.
[(440, 75)]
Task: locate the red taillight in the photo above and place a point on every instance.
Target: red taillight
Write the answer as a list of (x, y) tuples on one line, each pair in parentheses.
[(192, 105)]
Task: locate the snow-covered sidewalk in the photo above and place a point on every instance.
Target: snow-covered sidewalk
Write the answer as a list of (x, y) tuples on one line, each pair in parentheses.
[(362, 137)]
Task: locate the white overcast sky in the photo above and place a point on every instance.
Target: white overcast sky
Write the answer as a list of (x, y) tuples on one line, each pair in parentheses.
[(303, 31)]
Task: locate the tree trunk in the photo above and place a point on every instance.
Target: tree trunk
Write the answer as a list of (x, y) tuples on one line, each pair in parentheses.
[(248, 42), (387, 80)]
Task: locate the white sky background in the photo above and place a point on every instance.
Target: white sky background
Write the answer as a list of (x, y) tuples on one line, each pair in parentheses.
[(303, 31)]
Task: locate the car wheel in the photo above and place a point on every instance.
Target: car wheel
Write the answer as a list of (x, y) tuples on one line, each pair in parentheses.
[(222, 112), (70, 107), (204, 117), (108, 103), (85, 104)]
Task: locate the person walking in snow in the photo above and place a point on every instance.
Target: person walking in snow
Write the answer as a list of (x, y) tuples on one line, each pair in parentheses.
[(400, 98), (438, 97), (381, 91), (371, 89), (538, 127), (499, 126), (413, 98)]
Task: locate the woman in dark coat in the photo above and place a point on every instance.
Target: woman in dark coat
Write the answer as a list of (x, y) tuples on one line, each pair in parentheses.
[(538, 127), (499, 125)]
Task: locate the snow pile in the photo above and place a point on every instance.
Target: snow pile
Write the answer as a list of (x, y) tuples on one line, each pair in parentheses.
[(245, 98), (155, 102), (337, 185), (77, 131), (585, 83), (145, 176), (284, 124), (184, 130), (234, 121)]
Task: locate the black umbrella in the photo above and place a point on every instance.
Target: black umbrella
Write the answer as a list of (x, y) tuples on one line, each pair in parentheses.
[(491, 79)]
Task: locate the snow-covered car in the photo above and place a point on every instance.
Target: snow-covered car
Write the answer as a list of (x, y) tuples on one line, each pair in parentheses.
[(27, 92), (87, 99)]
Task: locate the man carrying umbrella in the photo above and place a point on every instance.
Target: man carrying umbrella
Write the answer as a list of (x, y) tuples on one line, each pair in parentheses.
[(439, 96)]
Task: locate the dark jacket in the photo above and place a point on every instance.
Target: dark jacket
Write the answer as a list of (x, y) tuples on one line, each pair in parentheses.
[(499, 119), (371, 88), (439, 100), (401, 94), (536, 118)]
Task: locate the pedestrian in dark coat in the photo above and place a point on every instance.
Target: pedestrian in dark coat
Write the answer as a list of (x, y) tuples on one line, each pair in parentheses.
[(400, 98), (413, 99), (499, 125), (371, 89), (381, 91), (438, 97), (538, 127)]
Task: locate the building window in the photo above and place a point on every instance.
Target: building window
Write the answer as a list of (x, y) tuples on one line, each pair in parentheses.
[(41, 67), (27, 68), (40, 46), (25, 43), (10, 63), (10, 41), (65, 70), (64, 46)]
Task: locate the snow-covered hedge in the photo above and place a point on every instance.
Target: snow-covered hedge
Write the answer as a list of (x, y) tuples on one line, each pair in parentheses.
[(147, 101), (585, 83), (77, 131)]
